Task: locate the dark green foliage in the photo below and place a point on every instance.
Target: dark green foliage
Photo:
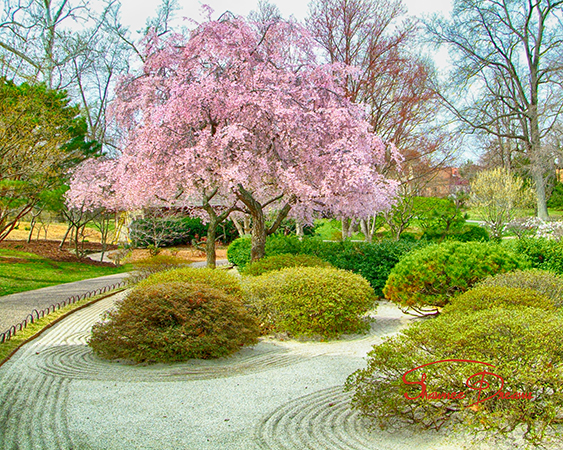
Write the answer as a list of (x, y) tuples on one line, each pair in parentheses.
[(281, 245), (556, 199), (407, 236), (542, 253), (484, 298), (172, 231), (42, 137), (373, 261), (238, 252), (524, 346), (217, 279), (438, 217), (426, 279), (174, 322), (470, 233), (543, 282), (277, 262), (467, 233), (310, 301)]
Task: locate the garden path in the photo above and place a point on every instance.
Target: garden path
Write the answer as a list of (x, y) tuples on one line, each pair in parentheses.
[(14, 308)]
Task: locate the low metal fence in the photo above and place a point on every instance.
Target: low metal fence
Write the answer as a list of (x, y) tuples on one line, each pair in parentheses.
[(37, 314)]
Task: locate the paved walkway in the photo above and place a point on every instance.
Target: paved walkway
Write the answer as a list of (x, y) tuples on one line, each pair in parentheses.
[(15, 307)]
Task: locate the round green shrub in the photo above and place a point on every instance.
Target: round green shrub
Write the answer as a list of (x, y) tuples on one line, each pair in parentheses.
[(406, 236), (310, 301), (218, 279), (238, 252), (472, 233), (524, 346), (373, 261), (544, 254), (278, 262), (426, 279), (481, 298), (543, 282), (278, 244), (174, 322)]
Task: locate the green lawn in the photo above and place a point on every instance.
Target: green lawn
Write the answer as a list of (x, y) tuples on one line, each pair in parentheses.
[(553, 213), (20, 271)]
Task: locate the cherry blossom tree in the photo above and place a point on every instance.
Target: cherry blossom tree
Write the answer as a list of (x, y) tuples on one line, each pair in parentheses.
[(233, 118)]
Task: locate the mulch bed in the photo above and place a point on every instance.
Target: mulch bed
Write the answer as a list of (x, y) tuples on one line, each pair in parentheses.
[(50, 250)]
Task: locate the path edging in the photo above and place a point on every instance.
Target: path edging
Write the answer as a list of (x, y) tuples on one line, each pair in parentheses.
[(58, 319)]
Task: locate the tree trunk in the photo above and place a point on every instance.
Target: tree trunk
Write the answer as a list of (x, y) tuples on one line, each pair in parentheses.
[(259, 231), (365, 227), (398, 232), (537, 159), (238, 226), (299, 230), (104, 232), (210, 244), (541, 202), (345, 228), (353, 228), (247, 225), (258, 249), (31, 227)]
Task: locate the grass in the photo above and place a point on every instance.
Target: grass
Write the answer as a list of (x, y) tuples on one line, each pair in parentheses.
[(9, 347), (331, 230), (20, 271), (553, 213)]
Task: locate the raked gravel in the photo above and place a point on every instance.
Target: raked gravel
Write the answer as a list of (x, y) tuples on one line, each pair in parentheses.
[(55, 394)]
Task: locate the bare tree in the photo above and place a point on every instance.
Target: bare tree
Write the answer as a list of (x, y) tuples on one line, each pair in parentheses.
[(397, 85), (36, 37), (509, 75), (265, 14)]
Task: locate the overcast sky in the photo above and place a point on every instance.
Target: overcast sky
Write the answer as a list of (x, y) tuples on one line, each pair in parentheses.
[(135, 12)]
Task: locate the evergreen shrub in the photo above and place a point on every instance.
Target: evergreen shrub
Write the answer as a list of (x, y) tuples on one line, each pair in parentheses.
[(523, 346), (471, 232), (486, 297), (174, 321), (426, 279), (310, 301), (214, 278), (238, 252), (373, 261), (545, 254), (543, 282)]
